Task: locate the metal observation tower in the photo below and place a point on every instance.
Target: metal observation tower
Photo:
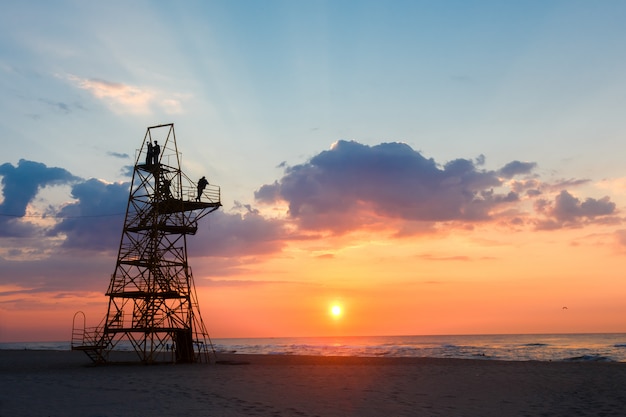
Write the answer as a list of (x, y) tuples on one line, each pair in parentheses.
[(153, 308)]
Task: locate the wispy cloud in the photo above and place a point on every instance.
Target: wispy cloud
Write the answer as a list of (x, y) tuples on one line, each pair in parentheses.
[(61, 106), (430, 257), (614, 185), (121, 97), (244, 283), (118, 155)]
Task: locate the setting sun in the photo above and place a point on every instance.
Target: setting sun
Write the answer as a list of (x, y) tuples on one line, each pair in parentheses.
[(335, 310)]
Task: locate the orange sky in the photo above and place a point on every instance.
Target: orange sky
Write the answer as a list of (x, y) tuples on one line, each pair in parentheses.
[(432, 285), (466, 282)]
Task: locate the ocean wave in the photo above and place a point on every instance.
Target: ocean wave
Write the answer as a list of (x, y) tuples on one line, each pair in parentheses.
[(589, 358), (573, 348)]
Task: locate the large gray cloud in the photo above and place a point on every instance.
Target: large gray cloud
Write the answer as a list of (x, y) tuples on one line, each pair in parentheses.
[(569, 211), (341, 188), (241, 232), (20, 184), (92, 225), (95, 220)]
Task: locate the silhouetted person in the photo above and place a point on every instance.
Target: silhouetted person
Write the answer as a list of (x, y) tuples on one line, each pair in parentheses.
[(202, 183), (166, 192), (149, 153), (156, 150)]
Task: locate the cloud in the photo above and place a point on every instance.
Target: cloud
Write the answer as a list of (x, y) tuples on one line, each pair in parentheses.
[(348, 187), (531, 187), (620, 235), (516, 168), (118, 155), (20, 184), (60, 106), (568, 183), (237, 234), (131, 98), (59, 273), (569, 211), (354, 185), (95, 220), (55, 259), (243, 283), (127, 171), (430, 257), (616, 185), (121, 98)]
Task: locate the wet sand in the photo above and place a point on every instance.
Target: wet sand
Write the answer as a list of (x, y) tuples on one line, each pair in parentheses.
[(49, 383)]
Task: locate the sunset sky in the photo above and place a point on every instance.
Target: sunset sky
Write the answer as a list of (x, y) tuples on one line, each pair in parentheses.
[(448, 167)]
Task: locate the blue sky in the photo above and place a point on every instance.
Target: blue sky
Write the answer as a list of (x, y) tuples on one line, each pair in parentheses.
[(284, 80), (258, 90)]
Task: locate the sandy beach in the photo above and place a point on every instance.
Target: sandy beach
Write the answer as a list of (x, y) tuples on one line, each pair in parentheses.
[(53, 383)]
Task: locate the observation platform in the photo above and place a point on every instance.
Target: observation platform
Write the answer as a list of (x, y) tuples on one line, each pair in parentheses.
[(153, 168), (165, 228), (173, 205), (147, 294)]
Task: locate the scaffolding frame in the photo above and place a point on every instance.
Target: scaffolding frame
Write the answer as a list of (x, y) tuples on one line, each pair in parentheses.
[(153, 305)]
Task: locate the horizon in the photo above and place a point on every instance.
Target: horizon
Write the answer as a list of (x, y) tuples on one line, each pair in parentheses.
[(429, 169), (359, 337)]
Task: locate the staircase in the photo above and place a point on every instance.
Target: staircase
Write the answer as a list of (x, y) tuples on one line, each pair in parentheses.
[(87, 340)]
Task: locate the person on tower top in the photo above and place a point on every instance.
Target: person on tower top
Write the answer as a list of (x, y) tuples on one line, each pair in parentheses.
[(156, 150), (149, 154)]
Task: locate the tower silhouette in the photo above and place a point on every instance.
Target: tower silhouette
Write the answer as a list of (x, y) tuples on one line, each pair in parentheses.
[(153, 306)]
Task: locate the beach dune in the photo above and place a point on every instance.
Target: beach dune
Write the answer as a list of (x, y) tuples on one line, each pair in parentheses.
[(53, 383)]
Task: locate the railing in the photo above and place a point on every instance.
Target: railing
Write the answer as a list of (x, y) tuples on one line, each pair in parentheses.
[(84, 336), (93, 336), (78, 333), (211, 194)]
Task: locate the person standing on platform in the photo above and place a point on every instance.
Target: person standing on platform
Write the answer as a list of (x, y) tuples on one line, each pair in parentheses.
[(149, 154), (202, 183), (156, 150)]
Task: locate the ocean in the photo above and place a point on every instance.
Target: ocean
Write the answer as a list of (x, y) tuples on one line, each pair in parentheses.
[(609, 347)]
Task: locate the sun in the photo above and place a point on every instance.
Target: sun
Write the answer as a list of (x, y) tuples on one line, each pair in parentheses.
[(335, 311)]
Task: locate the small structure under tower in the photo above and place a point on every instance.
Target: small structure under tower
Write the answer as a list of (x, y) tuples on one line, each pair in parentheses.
[(153, 307)]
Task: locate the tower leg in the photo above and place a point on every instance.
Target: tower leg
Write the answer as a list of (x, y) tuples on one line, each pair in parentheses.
[(184, 346)]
